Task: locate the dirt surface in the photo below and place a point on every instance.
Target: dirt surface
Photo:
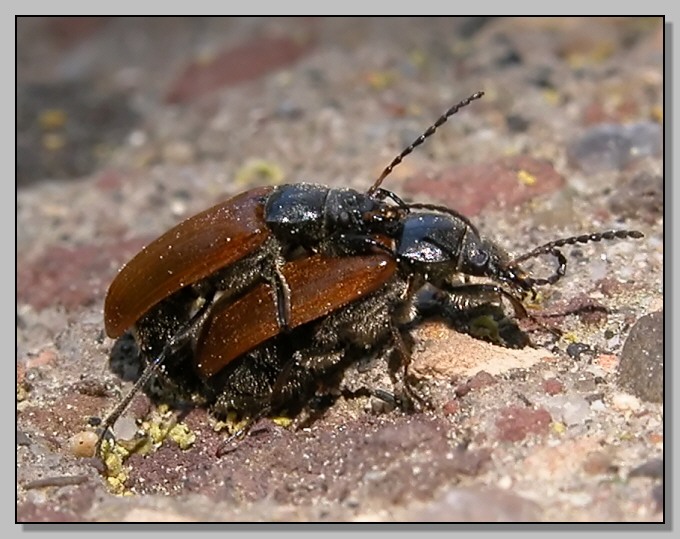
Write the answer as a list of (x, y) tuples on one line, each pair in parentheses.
[(127, 126)]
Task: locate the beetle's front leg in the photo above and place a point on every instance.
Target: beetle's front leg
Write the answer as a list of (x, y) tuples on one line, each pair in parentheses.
[(455, 299)]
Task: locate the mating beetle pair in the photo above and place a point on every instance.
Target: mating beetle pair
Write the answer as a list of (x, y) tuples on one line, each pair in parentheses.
[(253, 304)]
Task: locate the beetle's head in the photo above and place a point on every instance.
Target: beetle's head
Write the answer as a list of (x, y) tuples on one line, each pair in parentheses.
[(483, 258), (442, 247)]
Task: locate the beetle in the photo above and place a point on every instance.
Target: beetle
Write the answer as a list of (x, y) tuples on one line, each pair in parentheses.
[(165, 292), (317, 277)]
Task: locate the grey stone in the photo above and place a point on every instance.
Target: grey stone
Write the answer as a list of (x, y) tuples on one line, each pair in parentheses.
[(640, 370)]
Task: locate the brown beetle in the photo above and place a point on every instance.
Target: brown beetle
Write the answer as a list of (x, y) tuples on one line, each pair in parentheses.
[(251, 236)]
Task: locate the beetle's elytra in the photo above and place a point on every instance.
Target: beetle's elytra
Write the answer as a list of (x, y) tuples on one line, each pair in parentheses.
[(258, 301)]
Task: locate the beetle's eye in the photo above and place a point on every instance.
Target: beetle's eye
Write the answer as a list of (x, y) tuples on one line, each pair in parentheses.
[(343, 218), (478, 258)]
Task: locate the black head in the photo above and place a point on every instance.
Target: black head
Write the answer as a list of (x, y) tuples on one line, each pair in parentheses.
[(442, 245)]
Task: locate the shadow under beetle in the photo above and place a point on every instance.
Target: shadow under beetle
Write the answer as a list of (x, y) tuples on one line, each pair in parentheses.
[(261, 302)]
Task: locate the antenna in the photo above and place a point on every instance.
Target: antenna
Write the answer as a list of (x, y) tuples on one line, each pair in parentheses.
[(429, 132)]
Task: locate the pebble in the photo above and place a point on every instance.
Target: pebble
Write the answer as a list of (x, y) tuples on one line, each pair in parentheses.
[(653, 468), (515, 423), (553, 386), (598, 406), (125, 428), (82, 444), (575, 349), (570, 410), (179, 153), (613, 146), (478, 505), (641, 367), (625, 401), (598, 463)]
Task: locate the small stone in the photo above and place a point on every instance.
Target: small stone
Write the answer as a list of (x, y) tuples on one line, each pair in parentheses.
[(505, 482), (640, 198), (451, 407), (478, 505), (515, 423), (125, 428), (481, 379), (82, 444), (247, 61), (640, 369), (471, 188), (178, 153), (23, 438), (598, 406), (614, 146), (575, 349), (553, 386), (516, 123), (570, 410), (607, 362), (598, 463), (625, 402), (652, 468)]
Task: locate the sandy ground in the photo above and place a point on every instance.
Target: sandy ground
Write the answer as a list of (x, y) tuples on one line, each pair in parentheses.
[(127, 126)]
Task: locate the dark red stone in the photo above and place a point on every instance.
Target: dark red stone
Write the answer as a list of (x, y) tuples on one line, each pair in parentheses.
[(245, 62), (515, 423), (71, 276), (552, 386), (69, 31), (471, 188)]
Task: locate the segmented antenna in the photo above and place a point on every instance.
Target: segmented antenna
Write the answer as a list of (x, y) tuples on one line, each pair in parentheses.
[(551, 248), (429, 132)]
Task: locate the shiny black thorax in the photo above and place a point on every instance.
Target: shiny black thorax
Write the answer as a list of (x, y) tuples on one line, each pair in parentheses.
[(333, 221)]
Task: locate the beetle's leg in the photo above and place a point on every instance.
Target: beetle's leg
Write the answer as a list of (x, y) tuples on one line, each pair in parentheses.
[(281, 296), (232, 442), (467, 296), (411, 399)]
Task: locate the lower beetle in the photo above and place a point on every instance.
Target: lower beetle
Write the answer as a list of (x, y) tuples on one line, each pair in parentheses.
[(343, 309)]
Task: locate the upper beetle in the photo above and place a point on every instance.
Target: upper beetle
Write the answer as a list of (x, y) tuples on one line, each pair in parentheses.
[(248, 238)]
